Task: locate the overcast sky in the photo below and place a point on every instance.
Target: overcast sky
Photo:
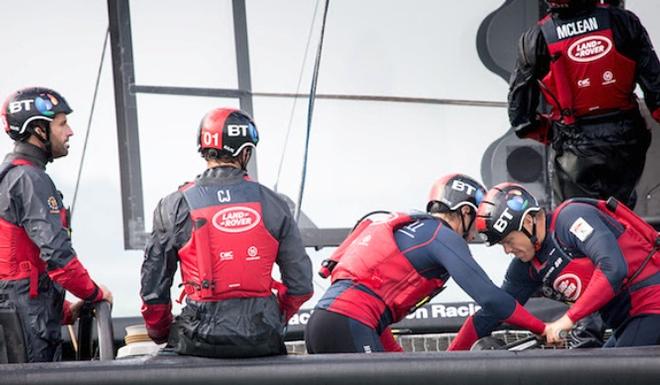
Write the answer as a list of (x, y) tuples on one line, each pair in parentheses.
[(363, 155)]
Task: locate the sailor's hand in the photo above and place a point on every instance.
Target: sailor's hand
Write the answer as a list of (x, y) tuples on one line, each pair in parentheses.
[(555, 332), (107, 294), (75, 309)]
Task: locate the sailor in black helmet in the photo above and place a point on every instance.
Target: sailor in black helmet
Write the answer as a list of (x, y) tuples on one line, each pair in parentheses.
[(38, 260), (226, 231)]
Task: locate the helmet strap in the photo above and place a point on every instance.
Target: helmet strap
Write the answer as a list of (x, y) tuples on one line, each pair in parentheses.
[(466, 230), (46, 141), (244, 158), (532, 237)]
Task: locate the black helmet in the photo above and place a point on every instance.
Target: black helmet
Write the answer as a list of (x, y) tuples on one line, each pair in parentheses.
[(563, 4), (502, 211), (454, 191), (227, 129), (30, 104)]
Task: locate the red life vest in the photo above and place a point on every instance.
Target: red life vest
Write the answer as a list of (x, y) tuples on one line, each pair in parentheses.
[(639, 243), (230, 253), (19, 256), (588, 75), (564, 278), (372, 258)]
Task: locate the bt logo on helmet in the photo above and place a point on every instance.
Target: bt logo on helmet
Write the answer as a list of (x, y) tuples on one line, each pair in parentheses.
[(459, 185), (44, 103), (503, 221), (237, 129), (20, 105)]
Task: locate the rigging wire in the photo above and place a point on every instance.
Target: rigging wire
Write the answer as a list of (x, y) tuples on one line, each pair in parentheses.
[(295, 99), (310, 110), (89, 121)]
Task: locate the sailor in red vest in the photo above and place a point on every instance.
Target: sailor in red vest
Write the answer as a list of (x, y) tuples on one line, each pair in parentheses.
[(586, 59), (37, 261), (387, 268), (226, 231), (598, 255)]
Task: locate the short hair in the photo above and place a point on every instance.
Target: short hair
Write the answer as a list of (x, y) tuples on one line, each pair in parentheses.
[(220, 155)]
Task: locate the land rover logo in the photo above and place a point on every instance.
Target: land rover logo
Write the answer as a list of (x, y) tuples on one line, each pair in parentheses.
[(236, 219), (569, 285), (589, 48)]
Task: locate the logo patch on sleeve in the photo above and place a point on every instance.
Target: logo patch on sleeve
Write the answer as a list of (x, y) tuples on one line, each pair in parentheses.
[(53, 205), (581, 229)]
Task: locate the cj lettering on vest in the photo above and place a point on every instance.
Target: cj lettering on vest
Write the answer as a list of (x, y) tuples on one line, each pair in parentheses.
[(577, 27)]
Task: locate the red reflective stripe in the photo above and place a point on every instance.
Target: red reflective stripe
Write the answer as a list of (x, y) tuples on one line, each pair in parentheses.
[(157, 319), (524, 319), (21, 162), (466, 337), (389, 342)]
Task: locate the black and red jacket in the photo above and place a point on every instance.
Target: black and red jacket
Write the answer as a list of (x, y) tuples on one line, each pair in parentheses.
[(36, 256), (226, 232), (588, 61)]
